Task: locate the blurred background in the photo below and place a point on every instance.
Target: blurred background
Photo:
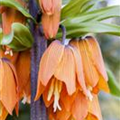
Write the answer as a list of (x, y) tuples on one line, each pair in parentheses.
[(110, 46)]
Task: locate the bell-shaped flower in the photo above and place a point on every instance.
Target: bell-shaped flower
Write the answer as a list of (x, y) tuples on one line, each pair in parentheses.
[(51, 16), (24, 75), (93, 65), (9, 90), (80, 109), (60, 68)]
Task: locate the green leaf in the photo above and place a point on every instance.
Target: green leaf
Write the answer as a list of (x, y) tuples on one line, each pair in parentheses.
[(75, 29), (77, 7), (98, 15), (19, 39), (72, 8), (16, 5), (113, 85)]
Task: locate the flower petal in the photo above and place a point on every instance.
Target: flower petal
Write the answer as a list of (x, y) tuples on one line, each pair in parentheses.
[(65, 72), (79, 68), (8, 95), (80, 107), (94, 109), (23, 70), (97, 56), (49, 62), (91, 75)]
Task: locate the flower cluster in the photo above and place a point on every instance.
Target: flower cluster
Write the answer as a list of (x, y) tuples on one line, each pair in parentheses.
[(70, 78)]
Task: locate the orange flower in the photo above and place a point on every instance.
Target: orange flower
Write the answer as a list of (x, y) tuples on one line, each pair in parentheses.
[(60, 67), (23, 72), (81, 109), (9, 94), (93, 65), (50, 7), (51, 16)]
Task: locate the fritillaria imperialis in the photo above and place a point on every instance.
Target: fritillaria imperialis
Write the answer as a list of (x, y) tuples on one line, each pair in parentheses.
[(70, 78), (71, 73), (9, 88), (51, 17)]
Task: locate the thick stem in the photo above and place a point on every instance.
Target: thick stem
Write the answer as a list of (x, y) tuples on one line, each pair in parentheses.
[(63, 34), (38, 110)]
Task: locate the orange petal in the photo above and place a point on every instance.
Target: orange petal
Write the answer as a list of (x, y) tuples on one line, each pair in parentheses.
[(66, 71), (79, 69), (50, 24), (63, 114), (45, 95), (80, 107), (40, 90), (91, 75), (66, 99), (94, 109), (103, 85), (23, 70), (49, 62), (8, 95), (4, 113), (49, 7), (97, 56)]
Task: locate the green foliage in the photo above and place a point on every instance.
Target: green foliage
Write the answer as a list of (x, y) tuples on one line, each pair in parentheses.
[(114, 87), (80, 18), (19, 39)]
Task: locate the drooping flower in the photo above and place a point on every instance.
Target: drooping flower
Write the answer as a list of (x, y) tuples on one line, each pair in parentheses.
[(23, 72), (80, 109), (20, 60), (51, 16), (60, 68), (9, 88), (93, 65)]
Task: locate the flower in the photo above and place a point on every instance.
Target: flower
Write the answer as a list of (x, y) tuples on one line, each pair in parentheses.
[(93, 65), (51, 16), (81, 109), (9, 88), (60, 67), (23, 72)]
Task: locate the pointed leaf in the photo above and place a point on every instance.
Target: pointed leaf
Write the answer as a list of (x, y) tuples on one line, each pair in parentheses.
[(113, 85)]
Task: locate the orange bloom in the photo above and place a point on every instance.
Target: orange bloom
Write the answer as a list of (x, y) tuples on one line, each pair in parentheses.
[(81, 109), (93, 65), (9, 94), (23, 72), (51, 16), (60, 67)]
